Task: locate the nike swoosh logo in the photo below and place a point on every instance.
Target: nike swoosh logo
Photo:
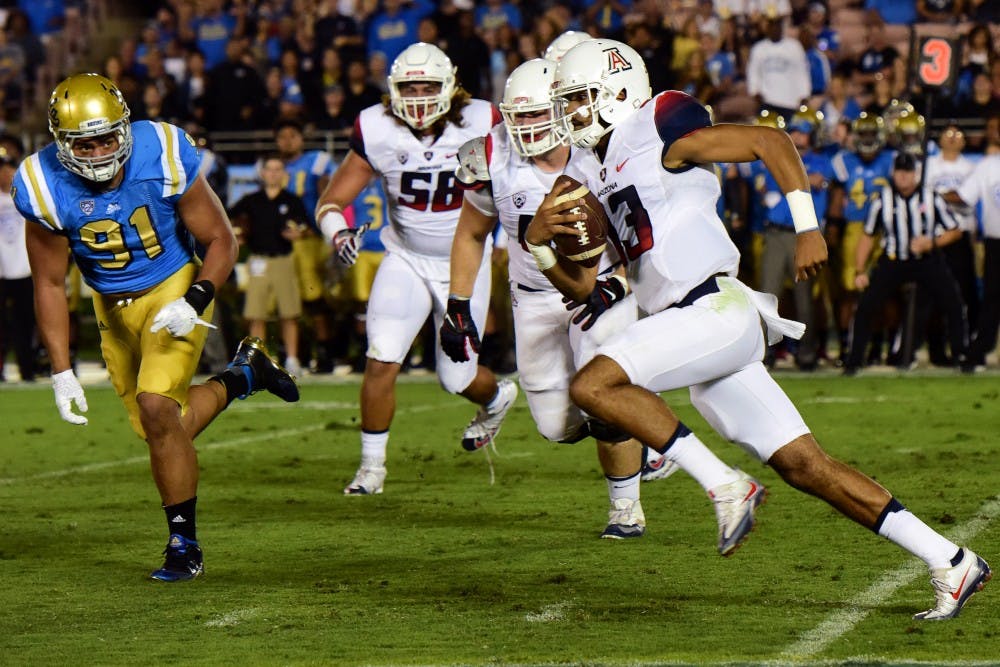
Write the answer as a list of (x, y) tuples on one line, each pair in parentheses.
[(620, 165), (657, 464), (753, 490), (958, 592)]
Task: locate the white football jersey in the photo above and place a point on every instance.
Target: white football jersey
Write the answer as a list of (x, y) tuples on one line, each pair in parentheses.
[(665, 225), (944, 175), (518, 187), (419, 175)]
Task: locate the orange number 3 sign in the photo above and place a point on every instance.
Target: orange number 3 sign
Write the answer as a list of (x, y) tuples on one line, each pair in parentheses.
[(937, 62)]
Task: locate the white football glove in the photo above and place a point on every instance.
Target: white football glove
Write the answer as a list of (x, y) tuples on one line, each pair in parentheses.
[(68, 389), (346, 243), (179, 319)]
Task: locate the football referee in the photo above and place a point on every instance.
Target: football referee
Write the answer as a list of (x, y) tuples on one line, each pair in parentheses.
[(908, 220)]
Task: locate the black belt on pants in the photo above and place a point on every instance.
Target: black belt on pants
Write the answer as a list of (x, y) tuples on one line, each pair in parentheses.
[(710, 286)]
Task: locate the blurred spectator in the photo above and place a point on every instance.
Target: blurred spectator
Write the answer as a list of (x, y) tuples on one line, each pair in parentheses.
[(269, 220), (234, 91), (378, 71), (394, 27), (819, 65), (987, 11), (149, 41), (340, 31), (694, 80), (214, 29), (608, 16), (684, 42), (939, 11), (878, 57), (979, 106), (978, 55), (471, 56), (19, 32), (358, 92), (492, 14), (333, 117), (192, 90), (655, 45), (445, 18), (706, 18), (12, 64), (17, 310), (882, 94), (945, 172), (47, 17), (427, 32), (839, 104), (778, 71), (897, 12), (827, 39), (721, 65), (331, 70)]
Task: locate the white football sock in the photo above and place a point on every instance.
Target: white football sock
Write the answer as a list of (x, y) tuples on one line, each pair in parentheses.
[(697, 460), (912, 534), (623, 487), (373, 447)]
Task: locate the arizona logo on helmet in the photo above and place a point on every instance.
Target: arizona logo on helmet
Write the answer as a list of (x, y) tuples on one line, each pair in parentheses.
[(616, 61)]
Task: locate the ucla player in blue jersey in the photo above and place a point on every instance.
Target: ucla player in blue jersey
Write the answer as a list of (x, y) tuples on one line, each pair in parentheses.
[(371, 212), (127, 203), (859, 176), (308, 174)]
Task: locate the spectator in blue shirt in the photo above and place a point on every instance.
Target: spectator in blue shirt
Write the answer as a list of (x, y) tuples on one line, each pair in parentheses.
[(212, 29), (899, 12), (496, 13), (395, 27)]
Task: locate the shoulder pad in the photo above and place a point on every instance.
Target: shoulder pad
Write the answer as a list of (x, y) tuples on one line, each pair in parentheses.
[(474, 162)]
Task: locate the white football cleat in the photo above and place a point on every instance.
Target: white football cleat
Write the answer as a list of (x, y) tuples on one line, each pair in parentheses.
[(656, 466), (485, 426), (625, 520), (734, 508), (368, 481), (953, 586)]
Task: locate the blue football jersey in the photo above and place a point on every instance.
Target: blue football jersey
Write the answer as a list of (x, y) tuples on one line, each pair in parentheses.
[(862, 181), (127, 239), (304, 173), (370, 208)]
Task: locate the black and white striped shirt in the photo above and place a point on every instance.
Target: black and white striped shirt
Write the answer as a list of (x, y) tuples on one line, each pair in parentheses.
[(901, 219)]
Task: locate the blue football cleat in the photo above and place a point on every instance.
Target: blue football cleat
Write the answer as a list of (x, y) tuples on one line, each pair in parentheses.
[(263, 372), (183, 562)]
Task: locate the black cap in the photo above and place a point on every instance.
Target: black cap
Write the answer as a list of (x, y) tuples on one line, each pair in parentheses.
[(904, 162)]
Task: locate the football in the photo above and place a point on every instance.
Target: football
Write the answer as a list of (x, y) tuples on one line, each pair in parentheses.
[(585, 250)]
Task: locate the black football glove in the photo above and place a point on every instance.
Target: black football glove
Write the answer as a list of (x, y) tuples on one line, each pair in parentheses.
[(457, 329), (606, 293)]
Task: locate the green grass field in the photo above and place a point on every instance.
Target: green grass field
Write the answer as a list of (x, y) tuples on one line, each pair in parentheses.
[(447, 569)]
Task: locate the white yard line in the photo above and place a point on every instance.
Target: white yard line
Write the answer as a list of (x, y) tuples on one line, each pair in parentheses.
[(222, 444), (839, 623)]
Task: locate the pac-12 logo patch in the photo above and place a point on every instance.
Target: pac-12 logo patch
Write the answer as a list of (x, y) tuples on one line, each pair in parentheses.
[(402, 157), (616, 61), (87, 206), (519, 199)]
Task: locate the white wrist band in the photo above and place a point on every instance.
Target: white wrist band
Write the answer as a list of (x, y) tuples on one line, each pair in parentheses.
[(331, 222), (803, 213), (544, 256)]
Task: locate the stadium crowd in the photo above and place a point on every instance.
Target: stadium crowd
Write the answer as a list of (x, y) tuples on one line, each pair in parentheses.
[(836, 75)]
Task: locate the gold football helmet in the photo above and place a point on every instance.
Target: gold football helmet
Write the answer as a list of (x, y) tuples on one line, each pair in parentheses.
[(868, 131), (907, 133), (90, 105), (768, 118)]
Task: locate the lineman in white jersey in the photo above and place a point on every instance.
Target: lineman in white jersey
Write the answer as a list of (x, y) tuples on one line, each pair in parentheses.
[(413, 146), (704, 326), (508, 172)]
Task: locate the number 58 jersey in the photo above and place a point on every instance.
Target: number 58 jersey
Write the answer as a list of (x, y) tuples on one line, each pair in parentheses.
[(126, 239), (419, 176)]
